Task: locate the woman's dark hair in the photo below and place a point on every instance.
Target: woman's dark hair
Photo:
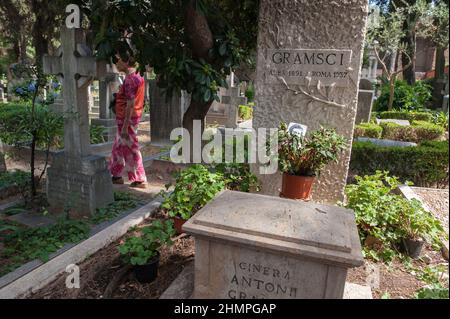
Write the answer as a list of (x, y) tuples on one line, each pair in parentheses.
[(126, 54)]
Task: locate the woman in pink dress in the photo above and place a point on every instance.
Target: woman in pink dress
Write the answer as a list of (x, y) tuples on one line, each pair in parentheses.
[(128, 108)]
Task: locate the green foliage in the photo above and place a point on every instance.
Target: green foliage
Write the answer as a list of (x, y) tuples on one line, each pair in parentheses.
[(426, 131), (17, 124), (14, 178), (250, 92), (418, 132), (122, 202), (194, 188), (161, 39), (406, 115), (245, 112), (441, 119), (406, 97), (388, 217), (307, 156), (97, 134), (28, 244), (432, 292), (237, 176), (139, 250), (371, 130), (425, 165)]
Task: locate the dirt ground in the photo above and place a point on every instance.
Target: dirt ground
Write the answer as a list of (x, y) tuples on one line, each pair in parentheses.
[(99, 270)]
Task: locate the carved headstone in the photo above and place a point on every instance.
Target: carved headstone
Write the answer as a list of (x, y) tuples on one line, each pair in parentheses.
[(308, 64), (254, 246), (365, 101), (77, 181)]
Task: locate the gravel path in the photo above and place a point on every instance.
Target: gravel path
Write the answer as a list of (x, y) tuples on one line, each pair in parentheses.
[(437, 200)]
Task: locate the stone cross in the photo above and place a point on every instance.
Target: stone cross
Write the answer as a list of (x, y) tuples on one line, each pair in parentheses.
[(77, 69), (77, 181), (299, 44)]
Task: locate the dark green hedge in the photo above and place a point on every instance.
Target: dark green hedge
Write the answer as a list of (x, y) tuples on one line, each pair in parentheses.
[(406, 115), (426, 165)]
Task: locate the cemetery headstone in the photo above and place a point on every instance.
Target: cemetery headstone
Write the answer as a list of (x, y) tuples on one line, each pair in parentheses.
[(165, 115), (395, 121), (77, 181), (108, 85), (255, 246), (365, 101), (2, 96), (308, 65)]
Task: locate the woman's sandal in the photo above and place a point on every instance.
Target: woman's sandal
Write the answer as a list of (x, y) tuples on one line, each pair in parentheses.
[(138, 185)]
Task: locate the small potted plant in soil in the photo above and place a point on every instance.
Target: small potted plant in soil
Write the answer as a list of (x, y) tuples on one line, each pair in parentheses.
[(143, 251), (301, 158), (418, 227), (194, 188)]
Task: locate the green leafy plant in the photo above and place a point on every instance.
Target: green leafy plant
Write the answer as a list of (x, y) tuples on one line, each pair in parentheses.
[(122, 202), (138, 250), (436, 291), (426, 165), (307, 156), (406, 97), (406, 115), (384, 219), (245, 112), (16, 178), (371, 130), (194, 188), (441, 119), (97, 134)]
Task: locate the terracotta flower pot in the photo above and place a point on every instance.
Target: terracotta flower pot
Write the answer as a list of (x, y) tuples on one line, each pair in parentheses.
[(178, 223), (297, 187)]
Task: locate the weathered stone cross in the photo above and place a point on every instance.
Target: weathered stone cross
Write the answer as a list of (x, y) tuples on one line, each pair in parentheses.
[(78, 68), (77, 181)]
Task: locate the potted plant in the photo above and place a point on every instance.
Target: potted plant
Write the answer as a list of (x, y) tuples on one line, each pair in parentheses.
[(143, 251), (301, 158), (417, 226), (194, 188)]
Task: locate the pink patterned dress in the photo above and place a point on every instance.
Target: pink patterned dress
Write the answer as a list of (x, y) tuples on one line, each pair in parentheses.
[(126, 155)]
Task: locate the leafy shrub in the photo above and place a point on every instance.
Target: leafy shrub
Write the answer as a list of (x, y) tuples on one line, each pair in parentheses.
[(418, 131), (307, 155), (397, 132), (425, 131), (425, 165), (250, 92), (14, 178), (436, 291), (245, 112), (406, 115), (406, 97), (17, 125), (97, 134), (138, 250), (388, 217), (194, 188), (368, 130), (441, 119)]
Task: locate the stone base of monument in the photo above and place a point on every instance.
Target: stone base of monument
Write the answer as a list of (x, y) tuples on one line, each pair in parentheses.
[(78, 186), (255, 246), (109, 125), (183, 287)]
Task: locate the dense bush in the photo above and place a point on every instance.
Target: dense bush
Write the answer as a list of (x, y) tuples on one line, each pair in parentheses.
[(388, 218), (406, 97), (418, 132), (368, 130), (406, 115), (425, 165)]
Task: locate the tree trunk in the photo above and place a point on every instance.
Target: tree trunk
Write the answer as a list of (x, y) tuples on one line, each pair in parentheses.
[(409, 74), (391, 92), (40, 42), (439, 78)]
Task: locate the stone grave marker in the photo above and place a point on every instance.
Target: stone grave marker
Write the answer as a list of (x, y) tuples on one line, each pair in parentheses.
[(165, 115), (308, 63), (365, 101), (256, 246), (77, 181), (2, 96), (399, 122), (108, 85)]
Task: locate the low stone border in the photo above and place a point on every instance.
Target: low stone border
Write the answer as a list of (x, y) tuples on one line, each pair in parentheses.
[(34, 275), (409, 194)]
